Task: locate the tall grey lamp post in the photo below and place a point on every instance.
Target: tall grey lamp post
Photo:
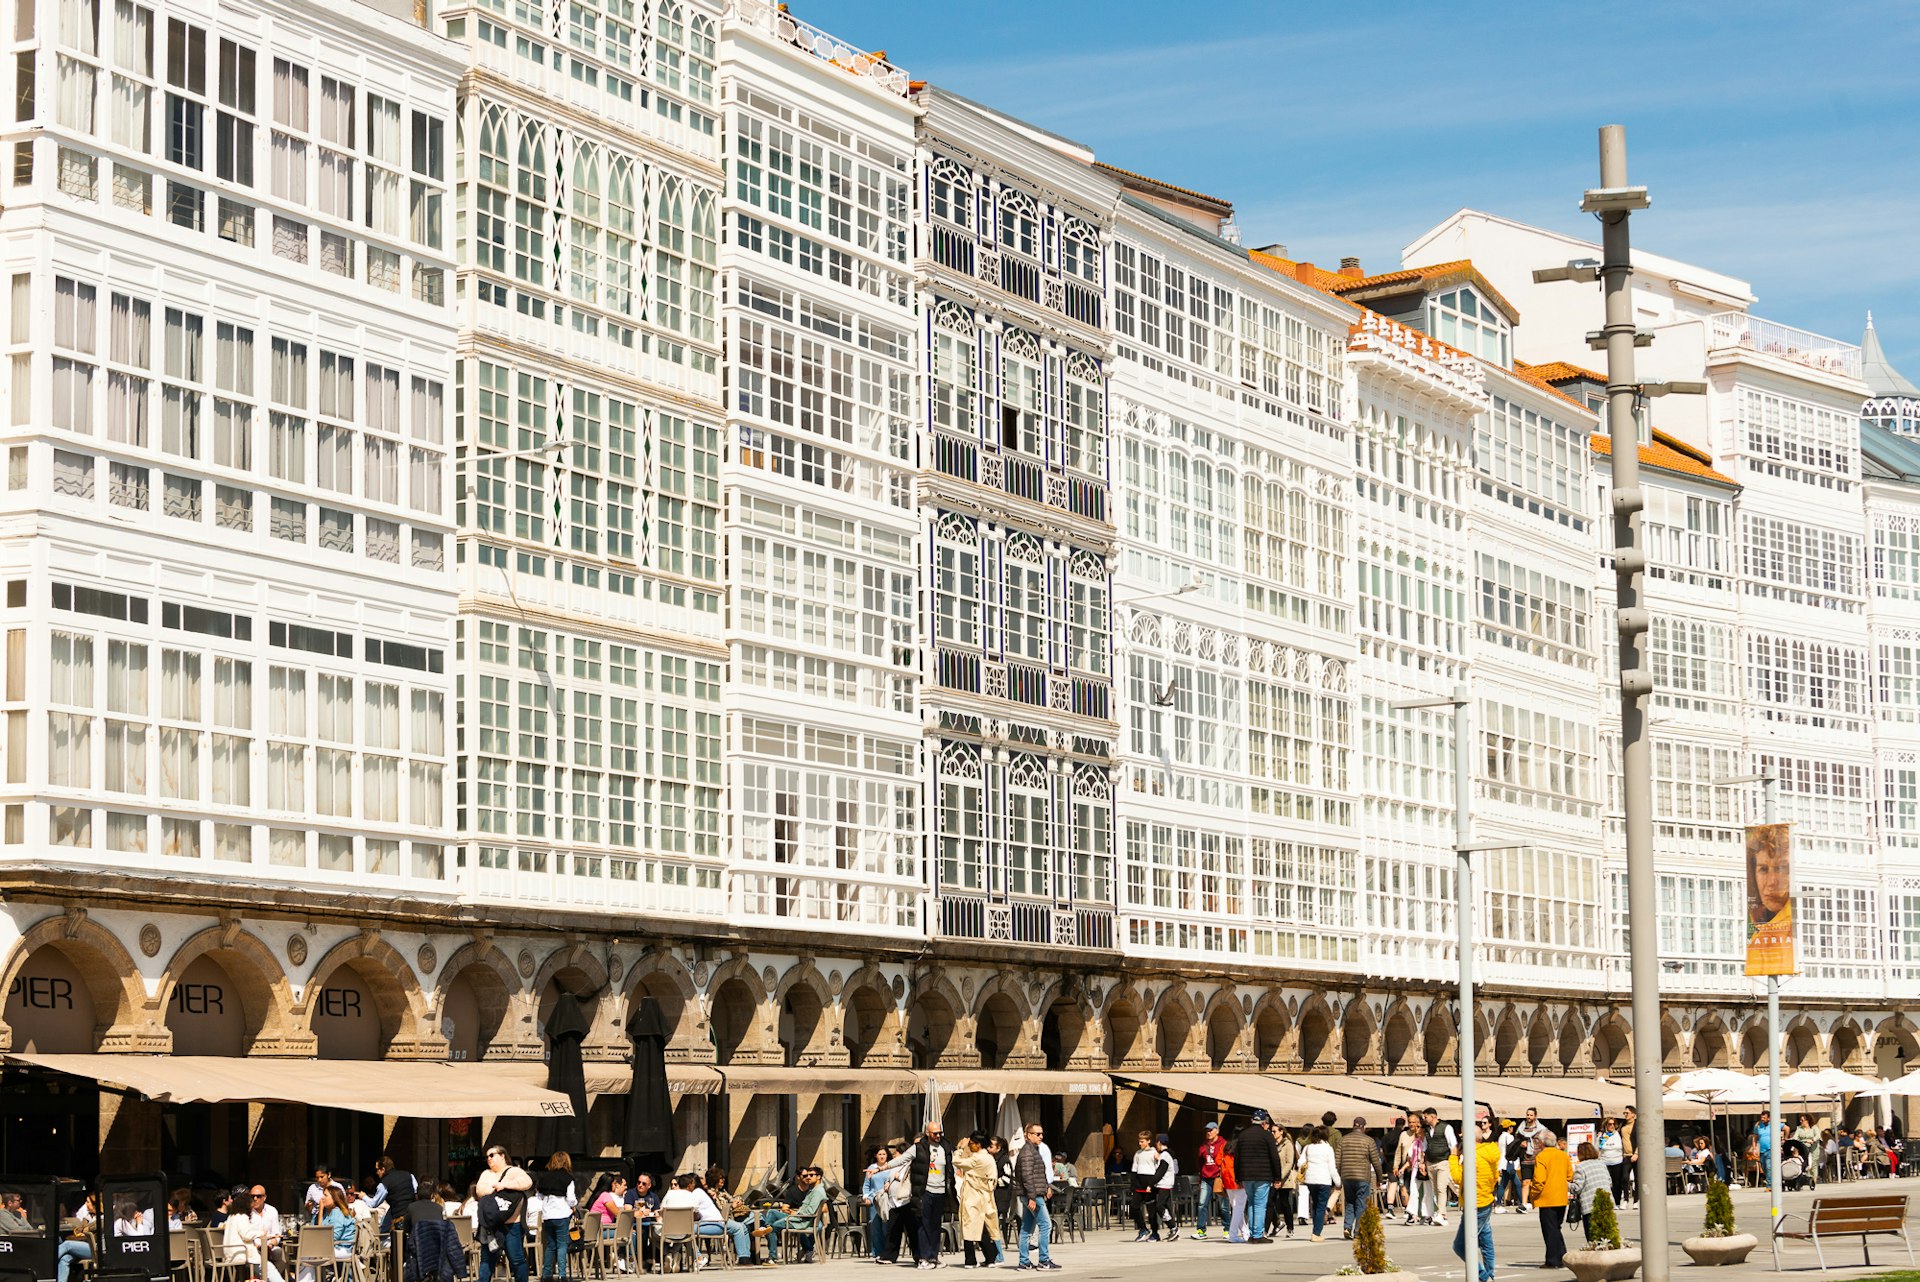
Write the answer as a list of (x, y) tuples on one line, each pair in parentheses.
[(1464, 847), (1613, 202)]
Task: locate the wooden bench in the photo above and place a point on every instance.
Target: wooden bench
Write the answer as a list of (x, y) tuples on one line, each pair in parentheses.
[(1859, 1217)]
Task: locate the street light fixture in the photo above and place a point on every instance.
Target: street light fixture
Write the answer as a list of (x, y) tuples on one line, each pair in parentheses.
[(1464, 847)]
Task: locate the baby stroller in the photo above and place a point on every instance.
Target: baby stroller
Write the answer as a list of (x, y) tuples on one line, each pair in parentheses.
[(1793, 1173)]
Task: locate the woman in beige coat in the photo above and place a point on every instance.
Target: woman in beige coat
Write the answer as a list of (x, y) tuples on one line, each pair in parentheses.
[(979, 1222)]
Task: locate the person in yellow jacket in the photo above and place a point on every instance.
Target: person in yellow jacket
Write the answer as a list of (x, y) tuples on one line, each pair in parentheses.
[(1486, 1175), (1552, 1168)]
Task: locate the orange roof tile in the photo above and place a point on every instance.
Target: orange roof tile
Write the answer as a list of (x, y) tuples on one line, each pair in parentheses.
[(1558, 372), (1667, 454), (1225, 205), (1531, 374)]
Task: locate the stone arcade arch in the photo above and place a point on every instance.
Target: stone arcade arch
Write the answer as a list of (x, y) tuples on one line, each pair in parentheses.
[(1357, 1030), (1710, 1046), (1317, 1053), (997, 1030), (1508, 1037), (1670, 1060), (931, 1023), (1270, 1027), (1063, 1033), (1396, 1038), (1895, 1047), (478, 985), (1223, 1031), (1439, 1040), (1802, 1045), (1573, 1037), (71, 987), (1540, 1043), (738, 1031), (1125, 1048), (870, 1023), (806, 1027), (1612, 1045), (224, 994), (666, 981), (1173, 1028), (1845, 1044), (1753, 1045), (362, 1001)]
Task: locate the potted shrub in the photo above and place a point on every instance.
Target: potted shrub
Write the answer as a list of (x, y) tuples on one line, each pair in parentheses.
[(1370, 1252), (1718, 1243), (1606, 1258)]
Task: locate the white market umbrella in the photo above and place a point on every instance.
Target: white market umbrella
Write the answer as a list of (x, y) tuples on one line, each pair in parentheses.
[(1908, 1085), (1008, 1123), (1824, 1083), (1716, 1086)]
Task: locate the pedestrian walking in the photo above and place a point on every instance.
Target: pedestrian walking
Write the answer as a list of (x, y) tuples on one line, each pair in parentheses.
[(1358, 1159), (1486, 1170), (1552, 1169), (1256, 1165), (930, 1172), (1211, 1150), (1319, 1167), (1442, 1144), (1285, 1205), (1163, 1189), (976, 1173), (1033, 1186)]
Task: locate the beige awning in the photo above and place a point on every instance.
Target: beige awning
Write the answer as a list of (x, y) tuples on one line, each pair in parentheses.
[(392, 1087), (611, 1078), (1555, 1097), (775, 1079), (1287, 1100), (1400, 1091), (1017, 1081)]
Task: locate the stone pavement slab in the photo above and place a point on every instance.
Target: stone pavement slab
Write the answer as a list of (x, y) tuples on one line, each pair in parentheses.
[(1111, 1255)]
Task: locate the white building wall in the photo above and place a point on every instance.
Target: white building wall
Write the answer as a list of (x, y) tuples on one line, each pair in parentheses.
[(823, 543), (1237, 737), (229, 417)]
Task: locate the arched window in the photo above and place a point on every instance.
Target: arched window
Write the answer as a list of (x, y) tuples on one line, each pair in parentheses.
[(700, 59), (952, 193), (1022, 425), (585, 227), (490, 196), (962, 818), (702, 255), (1029, 826), (670, 256), (956, 585), (1019, 223), (529, 209), (618, 264), (1086, 429), (956, 367)]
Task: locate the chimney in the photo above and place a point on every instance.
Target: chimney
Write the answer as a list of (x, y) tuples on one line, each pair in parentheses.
[(1304, 272), (1277, 251), (1350, 266)]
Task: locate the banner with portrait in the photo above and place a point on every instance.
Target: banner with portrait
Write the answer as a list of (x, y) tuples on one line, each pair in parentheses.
[(1769, 900)]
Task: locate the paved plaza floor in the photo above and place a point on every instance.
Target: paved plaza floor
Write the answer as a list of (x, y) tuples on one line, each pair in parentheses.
[(1111, 1255)]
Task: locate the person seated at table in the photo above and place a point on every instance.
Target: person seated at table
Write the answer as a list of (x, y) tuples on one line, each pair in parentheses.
[(180, 1212), (337, 1218), (735, 1209), (686, 1193), (612, 1200), (77, 1247), (1702, 1161), (1874, 1160), (130, 1219), (801, 1218)]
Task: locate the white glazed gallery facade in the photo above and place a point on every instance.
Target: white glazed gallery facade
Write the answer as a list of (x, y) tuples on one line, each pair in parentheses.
[(647, 501)]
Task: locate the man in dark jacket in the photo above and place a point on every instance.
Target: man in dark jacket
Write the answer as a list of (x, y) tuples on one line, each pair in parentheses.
[(1032, 1186), (931, 1173), (1358, 1159), (1256, 1165)]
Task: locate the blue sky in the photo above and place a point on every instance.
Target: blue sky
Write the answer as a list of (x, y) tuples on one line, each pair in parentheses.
[(1781, 141)]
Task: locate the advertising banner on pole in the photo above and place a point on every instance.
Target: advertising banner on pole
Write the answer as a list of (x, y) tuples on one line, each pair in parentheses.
[(1769, 900)]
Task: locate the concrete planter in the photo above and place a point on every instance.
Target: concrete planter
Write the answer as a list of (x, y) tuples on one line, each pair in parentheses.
[(1604, 1266), (1713, 1251)]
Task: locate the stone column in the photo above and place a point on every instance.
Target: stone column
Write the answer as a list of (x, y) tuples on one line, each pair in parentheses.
[(129, 1133)]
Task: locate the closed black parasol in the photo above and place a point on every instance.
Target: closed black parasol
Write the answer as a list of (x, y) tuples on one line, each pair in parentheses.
[(567, 1027), (649, 1143)]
